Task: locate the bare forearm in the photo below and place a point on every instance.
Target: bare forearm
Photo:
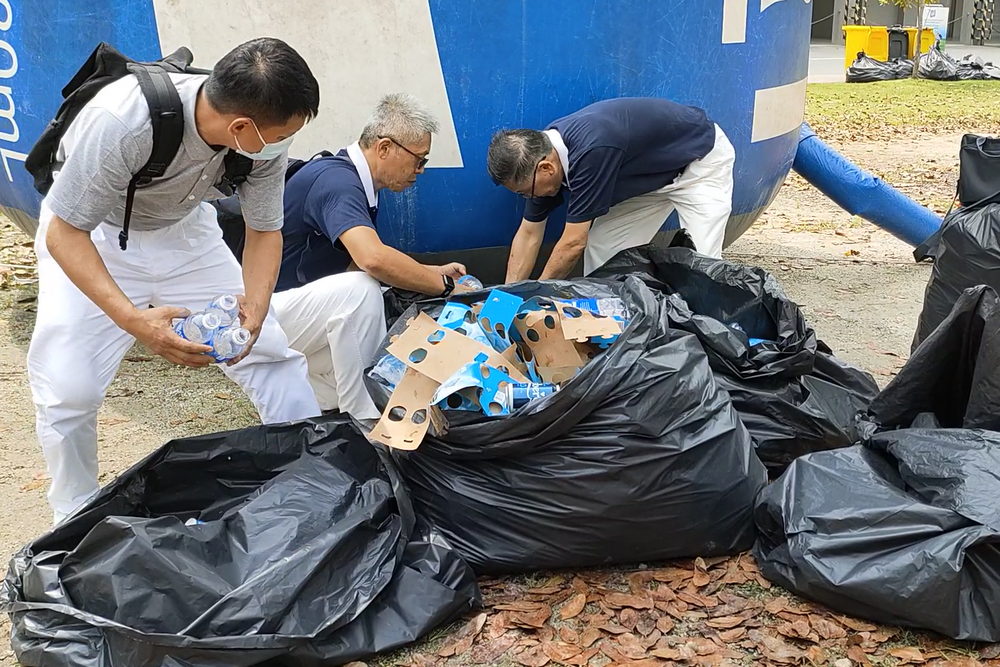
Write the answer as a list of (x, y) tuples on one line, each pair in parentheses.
[(398, 269), (261, 261), (524, 251), (562, 260), (77, 256)]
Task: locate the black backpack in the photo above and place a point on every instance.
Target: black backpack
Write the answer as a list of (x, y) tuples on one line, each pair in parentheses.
[(230, 215), (104, 66)]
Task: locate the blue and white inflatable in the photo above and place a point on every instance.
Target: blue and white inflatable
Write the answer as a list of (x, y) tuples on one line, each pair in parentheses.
[(480, 64)]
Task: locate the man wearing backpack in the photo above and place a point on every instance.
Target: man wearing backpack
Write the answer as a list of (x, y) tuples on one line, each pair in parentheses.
[(331, 313), (96, 296)]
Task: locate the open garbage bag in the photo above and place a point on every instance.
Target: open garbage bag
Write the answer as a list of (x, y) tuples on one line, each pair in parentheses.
[(904, 529), (967, 254), (640, 457), (866, 69), (284, 545), (792, 393)]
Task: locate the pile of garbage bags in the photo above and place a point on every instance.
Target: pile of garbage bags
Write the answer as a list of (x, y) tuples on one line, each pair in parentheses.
[(935, 64), (940, 66), (866, 69), (791, 392), (291, 544), (640, 456), (904, 528)]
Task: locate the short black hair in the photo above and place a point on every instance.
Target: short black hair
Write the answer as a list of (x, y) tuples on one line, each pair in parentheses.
[(266, 80), (514, 155)]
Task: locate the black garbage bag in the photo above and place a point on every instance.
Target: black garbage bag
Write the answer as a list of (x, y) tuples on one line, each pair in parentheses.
[(792, 393), (904, 529), (305, 552), (967, 254), (902, 67), (938, 66), (640, 457), (866, 69)]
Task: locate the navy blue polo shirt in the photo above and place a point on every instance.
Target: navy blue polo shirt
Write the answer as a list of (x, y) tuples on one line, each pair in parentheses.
[(622, 148), (323, 199)]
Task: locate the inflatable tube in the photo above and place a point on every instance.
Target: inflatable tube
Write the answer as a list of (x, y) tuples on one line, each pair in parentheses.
[(860, 193)]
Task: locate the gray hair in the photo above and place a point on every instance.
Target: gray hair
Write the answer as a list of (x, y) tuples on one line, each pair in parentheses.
[(514, 155), (400, 116)]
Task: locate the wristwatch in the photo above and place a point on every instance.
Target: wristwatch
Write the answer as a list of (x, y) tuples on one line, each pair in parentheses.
[(449, 286)]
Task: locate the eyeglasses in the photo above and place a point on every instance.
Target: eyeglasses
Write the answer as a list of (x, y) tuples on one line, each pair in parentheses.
[(534, 176), (421, 160)]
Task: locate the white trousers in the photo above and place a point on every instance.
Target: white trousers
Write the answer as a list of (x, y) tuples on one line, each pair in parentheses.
[(702, 196), (337, 322), (76, 349)]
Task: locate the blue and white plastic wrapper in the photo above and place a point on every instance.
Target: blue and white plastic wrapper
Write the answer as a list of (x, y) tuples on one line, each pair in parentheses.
[(389, 370), (227, 306), (453, 315), (615, 308), (229, 343), (199, 327)]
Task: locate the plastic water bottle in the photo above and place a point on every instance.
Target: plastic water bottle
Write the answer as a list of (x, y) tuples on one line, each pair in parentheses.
[(609, 307), (229, 343), (227, 307), (389, 369), (198, 328), (469, 281)]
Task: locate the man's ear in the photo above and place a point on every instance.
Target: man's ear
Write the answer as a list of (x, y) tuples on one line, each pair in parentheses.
[(382, 147), (547, 167)]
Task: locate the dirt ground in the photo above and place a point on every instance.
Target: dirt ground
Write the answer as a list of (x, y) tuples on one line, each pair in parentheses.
[(859, 287)]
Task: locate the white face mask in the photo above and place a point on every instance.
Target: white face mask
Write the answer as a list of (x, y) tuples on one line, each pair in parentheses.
[(269, 151)]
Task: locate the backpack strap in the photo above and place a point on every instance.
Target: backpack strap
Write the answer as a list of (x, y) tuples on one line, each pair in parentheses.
[(167, 116), (237, 168)]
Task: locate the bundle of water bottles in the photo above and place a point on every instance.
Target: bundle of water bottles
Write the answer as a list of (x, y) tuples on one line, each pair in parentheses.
[(524, 349), (217, 326)]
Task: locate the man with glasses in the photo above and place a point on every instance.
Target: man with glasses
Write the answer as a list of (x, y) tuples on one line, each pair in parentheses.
[(328, 298), (626, 165)]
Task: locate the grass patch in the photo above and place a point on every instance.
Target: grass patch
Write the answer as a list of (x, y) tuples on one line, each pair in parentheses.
[(883, 110)]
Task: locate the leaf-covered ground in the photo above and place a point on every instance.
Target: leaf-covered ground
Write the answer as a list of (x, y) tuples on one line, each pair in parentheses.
[(704, 613)]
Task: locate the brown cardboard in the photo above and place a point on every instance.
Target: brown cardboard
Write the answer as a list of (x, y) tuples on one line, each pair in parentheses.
[(511, 355), (542, 333), (557, 375), (439, 353), (408, 414), (580, 324)]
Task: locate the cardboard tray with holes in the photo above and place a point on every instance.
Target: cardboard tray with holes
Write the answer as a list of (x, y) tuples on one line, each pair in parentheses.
[(492, 357)]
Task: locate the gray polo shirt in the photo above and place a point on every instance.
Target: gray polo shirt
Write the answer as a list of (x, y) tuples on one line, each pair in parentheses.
[(112, 138)]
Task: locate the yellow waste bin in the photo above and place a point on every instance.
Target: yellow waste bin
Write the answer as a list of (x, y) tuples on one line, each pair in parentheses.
[(873, 40), (855, 40), (927, 39)]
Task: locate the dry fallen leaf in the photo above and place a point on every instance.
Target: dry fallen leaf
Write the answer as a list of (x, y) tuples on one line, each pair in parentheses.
[(223, 396), (816, 655), (826, 628), (638, 582), (569, 635), (701, 577), (589, 636), (457, 648), (573, 607), (858, 656), (628, 618), (532, 619), (544, 590), (665, 624), (775, 649), (798, 630), (532, 656), (613, 628), (497, 625), (646, 624), (908, 655), (490, 652), (520, 605), (631, 646), (619, 600), (733, 635), (856, 625), (560, 651), (724, 622)]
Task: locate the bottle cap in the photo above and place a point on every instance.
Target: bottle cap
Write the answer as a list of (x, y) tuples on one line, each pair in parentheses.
[(241, 336), (211, 321), (227, 301)]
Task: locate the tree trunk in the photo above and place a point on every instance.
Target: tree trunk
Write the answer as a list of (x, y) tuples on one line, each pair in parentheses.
[(920, 39)]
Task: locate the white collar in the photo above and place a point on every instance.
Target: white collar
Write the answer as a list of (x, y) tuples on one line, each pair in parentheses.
[(557, 142), (361, 164)]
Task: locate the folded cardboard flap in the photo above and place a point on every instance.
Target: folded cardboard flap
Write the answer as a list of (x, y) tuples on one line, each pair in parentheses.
[(409, 413), (581, 325), (439, 353)]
